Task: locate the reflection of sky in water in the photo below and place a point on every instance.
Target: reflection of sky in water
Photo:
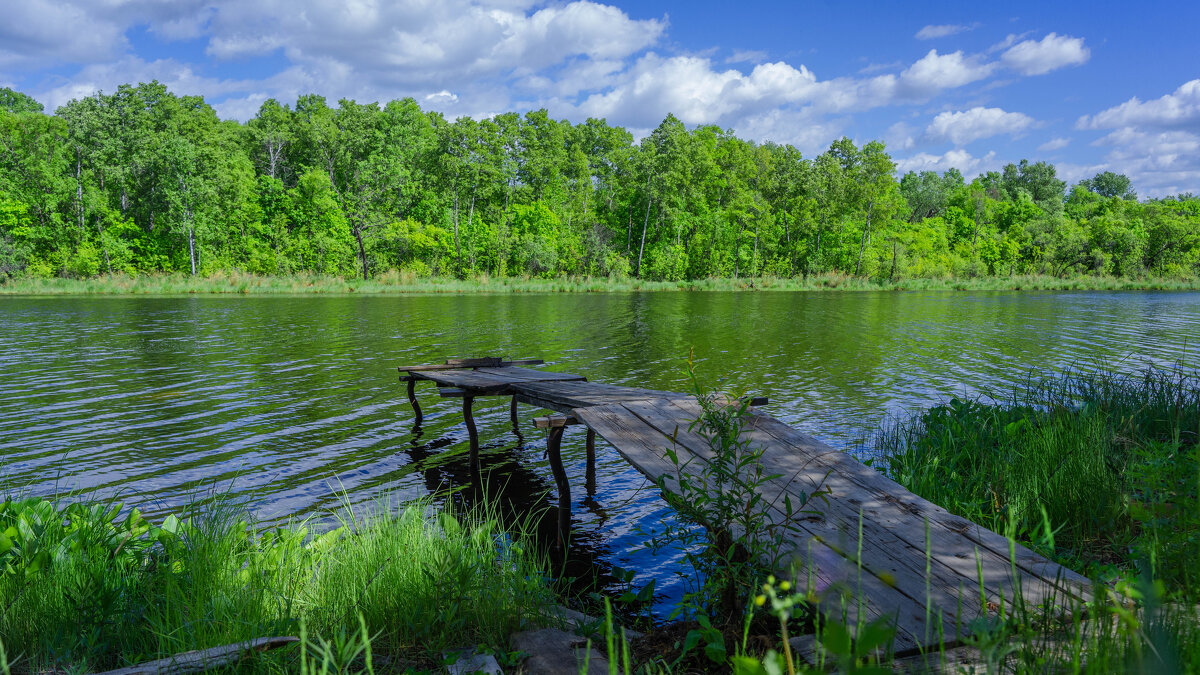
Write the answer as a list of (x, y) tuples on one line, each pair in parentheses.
[(288, 400)]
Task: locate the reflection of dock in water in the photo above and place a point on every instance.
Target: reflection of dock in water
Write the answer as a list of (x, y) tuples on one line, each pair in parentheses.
[(929, 572)]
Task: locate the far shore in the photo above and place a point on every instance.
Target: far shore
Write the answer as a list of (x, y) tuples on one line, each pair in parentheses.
[(227, 283)]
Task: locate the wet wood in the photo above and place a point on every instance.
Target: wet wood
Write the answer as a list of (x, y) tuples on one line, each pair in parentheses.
[(590, 475), (472, 434), (201, 660), (412, 399), (554, 454)]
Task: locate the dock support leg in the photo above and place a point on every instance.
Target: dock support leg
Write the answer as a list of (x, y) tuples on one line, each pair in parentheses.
[(412, 398), (512, 411), (471, 433), (591, 463), (553, 445)]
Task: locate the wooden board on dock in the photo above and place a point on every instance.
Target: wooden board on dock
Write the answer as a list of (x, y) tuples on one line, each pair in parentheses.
[(911, 553), (490, 381), (870, 548)]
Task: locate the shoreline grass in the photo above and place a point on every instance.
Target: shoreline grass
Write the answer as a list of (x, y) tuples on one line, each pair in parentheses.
[(85, 586), (236, 283), (1098, 471)]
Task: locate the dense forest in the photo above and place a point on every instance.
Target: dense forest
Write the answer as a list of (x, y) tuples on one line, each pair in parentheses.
[(143, 180)]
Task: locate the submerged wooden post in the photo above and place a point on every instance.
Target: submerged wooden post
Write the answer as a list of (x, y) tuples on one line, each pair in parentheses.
[(512, 411), (590, 483), (412, 397), (471, 433), (553, 447)]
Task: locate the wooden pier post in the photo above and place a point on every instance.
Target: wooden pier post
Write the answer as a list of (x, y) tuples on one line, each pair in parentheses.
[(471, 433), (412, 397), (512, 411), (590, 480), (553, 447)]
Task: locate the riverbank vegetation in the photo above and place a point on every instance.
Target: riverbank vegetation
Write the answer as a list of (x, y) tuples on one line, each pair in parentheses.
[(144, 181), (393, 283), (1099, 472), (86, 586)]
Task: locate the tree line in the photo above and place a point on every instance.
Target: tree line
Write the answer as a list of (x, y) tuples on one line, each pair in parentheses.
[(142, 180)]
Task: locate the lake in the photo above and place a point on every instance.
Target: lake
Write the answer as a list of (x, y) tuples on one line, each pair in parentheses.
[(289, 402)]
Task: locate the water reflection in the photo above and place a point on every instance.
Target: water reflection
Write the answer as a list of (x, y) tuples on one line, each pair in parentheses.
[(289, 400)]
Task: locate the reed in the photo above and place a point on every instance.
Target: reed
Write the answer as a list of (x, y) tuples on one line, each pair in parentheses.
[(393, 283)]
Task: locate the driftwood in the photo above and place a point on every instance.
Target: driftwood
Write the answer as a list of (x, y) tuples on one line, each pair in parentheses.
[(204, 659)]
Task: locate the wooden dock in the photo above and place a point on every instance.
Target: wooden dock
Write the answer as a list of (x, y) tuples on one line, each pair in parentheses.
[(868, 549)]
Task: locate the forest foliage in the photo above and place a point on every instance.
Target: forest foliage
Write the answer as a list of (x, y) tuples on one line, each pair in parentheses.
[(142, 180)]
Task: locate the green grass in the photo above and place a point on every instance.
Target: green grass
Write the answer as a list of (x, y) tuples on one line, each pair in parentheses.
[(1100, 471), (85, 588), (392, 283)]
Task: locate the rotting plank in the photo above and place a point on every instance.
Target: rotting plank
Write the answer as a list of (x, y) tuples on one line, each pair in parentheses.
[(874, 485), (642, 446), (885, 557), (894, 534)]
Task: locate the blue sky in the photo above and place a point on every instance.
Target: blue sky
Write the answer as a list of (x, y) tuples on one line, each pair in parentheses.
[(1090, 87)]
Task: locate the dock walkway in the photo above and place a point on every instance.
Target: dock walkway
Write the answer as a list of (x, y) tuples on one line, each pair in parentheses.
[(928, 571)]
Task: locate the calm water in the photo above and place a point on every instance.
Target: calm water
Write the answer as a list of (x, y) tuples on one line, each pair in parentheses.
[(287, 400)]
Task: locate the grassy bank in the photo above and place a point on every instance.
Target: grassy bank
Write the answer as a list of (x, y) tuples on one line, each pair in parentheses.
[(1101, 472), (400, 284), (84, 589)]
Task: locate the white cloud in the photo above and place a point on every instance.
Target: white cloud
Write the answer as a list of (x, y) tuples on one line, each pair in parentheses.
[(1180, 109), (805, 129), (442, 96), (1158, 162), (960, 128), (177, 77), (1034, 57), (1054, 144), (746, 56), (931, 32), (900, 136), (1156, 143), (958, 158)]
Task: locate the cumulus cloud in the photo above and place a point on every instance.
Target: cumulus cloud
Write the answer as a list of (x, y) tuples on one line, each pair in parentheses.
[(958, 158), (931, 32), (178, 77), (1180, 109), (1159, 162), (960, 128), (805, 129), (1037, 57), (1156, 143), (1054, 144)]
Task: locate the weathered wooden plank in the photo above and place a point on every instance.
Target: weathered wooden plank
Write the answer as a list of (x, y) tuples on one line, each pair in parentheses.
[(884, 555), (643, 446), (894, 535), (553, 421), (204, 659), (946, 528), (515, 374)]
